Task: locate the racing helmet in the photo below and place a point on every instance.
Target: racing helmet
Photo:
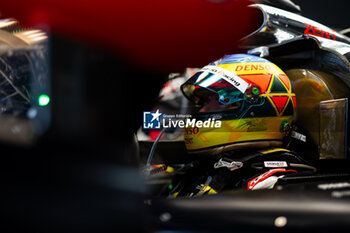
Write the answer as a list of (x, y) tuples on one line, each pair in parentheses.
[(249, 95)]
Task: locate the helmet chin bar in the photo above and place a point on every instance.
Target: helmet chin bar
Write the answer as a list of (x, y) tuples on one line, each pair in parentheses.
[(216, 151)]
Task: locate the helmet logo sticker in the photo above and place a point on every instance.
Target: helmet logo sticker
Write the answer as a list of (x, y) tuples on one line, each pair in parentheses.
[(229, 76)]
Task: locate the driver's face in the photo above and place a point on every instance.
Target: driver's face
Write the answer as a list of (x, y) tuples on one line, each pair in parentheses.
[(213, 104)]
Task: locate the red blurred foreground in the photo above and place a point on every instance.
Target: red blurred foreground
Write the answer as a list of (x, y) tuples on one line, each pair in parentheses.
[(154, 34)]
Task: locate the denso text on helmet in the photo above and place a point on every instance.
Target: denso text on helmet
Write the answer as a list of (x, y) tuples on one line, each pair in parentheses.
[(251, 67)]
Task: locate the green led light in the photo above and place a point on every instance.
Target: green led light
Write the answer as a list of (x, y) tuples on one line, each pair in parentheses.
[(43, 100), (170, 186), (255, 91)]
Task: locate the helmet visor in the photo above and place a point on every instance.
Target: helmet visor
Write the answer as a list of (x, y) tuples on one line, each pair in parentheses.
[(229, 87)]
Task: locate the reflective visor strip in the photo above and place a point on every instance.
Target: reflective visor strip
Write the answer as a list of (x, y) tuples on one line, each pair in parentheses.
[(228, 76)]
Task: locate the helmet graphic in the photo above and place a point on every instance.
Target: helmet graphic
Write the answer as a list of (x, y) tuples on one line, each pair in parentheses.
[(251, 97)]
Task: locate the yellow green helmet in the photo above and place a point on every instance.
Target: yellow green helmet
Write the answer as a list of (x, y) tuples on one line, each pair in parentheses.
[(249, 95)]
